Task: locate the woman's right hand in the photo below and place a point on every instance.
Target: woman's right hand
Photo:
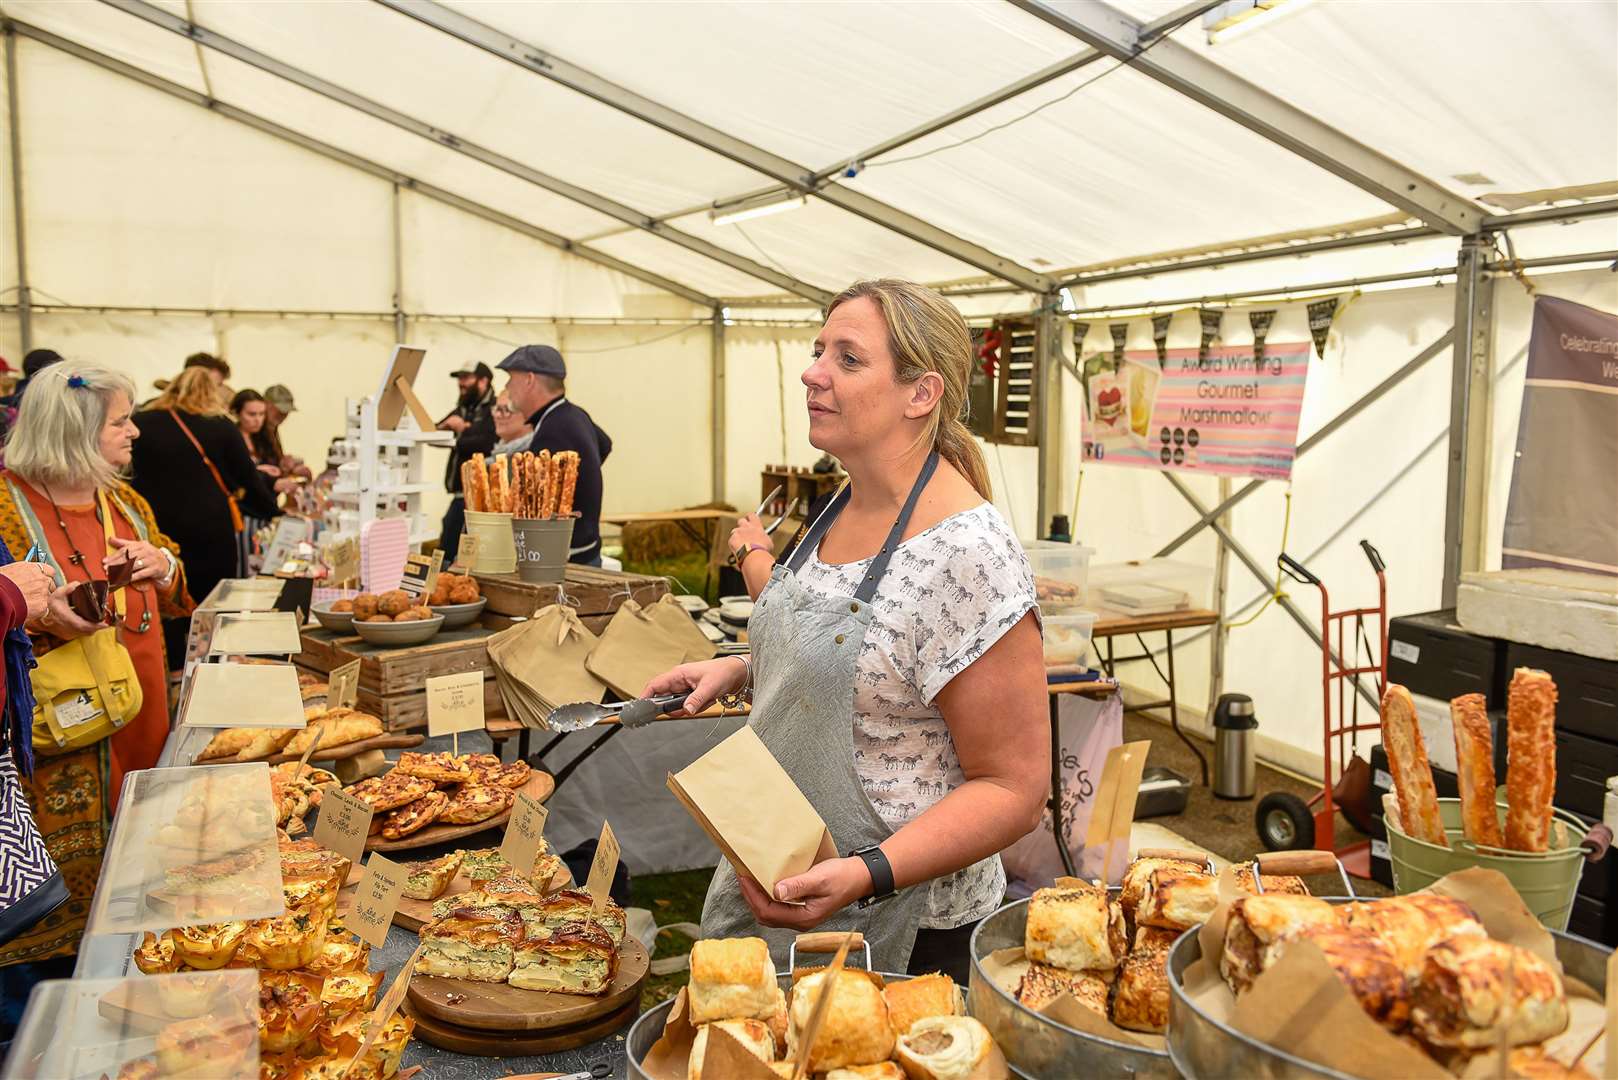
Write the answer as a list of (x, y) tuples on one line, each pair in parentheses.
[(59, 619), (34, 580), (707, 680)]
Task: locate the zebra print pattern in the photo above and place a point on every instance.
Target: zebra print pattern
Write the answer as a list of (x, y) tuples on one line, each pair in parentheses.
[(25, 865)]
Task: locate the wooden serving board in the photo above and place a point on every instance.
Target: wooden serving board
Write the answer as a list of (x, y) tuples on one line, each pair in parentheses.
[(470, 1041), (539, 788), (414, 914), (386, 741), (501, 1007)]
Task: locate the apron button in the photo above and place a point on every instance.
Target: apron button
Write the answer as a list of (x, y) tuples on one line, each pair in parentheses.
[(839, 639), (854, 608)]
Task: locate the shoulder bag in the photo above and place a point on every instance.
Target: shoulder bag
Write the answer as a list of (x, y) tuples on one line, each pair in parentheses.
[(235, 508)]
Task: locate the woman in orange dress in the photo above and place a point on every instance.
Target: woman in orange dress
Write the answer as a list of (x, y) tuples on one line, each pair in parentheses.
[(61, 495)]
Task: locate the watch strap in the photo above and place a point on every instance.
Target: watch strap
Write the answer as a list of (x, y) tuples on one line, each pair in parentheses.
[(881, 874)]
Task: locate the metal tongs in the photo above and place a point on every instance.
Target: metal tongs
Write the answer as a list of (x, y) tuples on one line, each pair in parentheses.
[(769, 530), (631, 714)]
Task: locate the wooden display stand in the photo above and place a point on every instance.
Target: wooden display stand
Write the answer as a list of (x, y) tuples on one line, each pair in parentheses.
[(797, 483)]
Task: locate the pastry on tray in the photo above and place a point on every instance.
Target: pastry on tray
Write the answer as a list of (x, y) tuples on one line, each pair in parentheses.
[(208, 946), (1042, 984), (754, 1036), (396, 789), (343, 994), (1139, 875), (477, 945), (415, 816), (950, 1048), (227, 743), (342, 953), (428, 880), (489, 769), (472, 803), (1258, 928), (1142, 1001), (288, 941), (1475, 992), (1410, 925), (440, 767), (266, 741), (289, 1009), (1177, 899), (338, 727), (509, 890), (910, 1000), (856, 1029), (732, 979), (576, 959), (155, 954), (1075, 926)]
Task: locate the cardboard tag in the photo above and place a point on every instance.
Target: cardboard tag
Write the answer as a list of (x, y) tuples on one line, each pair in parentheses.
[(343, 824), (343, 686), (455, 703), (342, 558), (386, 1007), (308, 751), (466, 554), (376, 898), (602, 869), (525, 833), (421, 574), (1114, 809), (828, 983)]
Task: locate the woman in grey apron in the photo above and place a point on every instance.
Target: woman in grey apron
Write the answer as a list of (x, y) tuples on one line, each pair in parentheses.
[(895, 654)]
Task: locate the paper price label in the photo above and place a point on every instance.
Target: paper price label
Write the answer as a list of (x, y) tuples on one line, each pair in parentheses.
[(376, 898), (467, 553), (343, 559), (343, 824), (455, 703), (602, 869), (525, 833), (343, 686), (421, 574)]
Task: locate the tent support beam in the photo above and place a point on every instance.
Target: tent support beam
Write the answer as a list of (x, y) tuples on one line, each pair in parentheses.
[(1048, 334), (799, 178), (25, 299), (1471, 403), (1369, 398), (398, 270), (1188, 72), (600, 203), (717, 404), (270, 127)]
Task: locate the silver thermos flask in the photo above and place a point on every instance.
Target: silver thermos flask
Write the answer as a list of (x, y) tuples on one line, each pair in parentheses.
[(1235, 733)]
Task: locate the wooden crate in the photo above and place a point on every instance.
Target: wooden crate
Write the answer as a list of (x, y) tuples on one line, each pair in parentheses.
[(392, 681), (588, 591)]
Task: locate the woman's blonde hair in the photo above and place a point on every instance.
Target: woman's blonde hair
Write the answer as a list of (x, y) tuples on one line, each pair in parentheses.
[(926, 333), (192, 391), (57, 437)]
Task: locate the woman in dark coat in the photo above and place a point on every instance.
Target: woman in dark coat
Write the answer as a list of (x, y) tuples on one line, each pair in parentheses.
[(187, 496)]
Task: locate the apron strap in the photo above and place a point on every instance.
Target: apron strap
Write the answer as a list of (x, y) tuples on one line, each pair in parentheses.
[(879, 564)]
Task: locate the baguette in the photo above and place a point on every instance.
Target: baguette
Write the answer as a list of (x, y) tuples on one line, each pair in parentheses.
[(1474, 764), (467, 485), (1530, 759), (477, 496), (570, 483), (1412, 774), (499, 486)]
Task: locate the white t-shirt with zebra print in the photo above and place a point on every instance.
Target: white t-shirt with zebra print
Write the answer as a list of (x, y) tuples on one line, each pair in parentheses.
[(949, 594)]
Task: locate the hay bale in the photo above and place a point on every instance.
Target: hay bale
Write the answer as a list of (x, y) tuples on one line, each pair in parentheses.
[(654, 541)]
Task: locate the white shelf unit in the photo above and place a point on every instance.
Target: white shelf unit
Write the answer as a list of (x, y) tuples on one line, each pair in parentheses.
[(390, 475)]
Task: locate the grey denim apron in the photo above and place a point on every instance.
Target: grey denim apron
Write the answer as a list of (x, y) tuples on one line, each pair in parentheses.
[(805, 646)]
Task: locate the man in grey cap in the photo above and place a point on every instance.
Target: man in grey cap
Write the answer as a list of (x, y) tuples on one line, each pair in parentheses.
[(538, 389), (278, 406)]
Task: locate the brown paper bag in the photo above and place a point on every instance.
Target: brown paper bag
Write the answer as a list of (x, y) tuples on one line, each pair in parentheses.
[(673, 618), (634, 650), (547, 654), (1106, 844), (667, 1058), (1501, 910), (745, 801)]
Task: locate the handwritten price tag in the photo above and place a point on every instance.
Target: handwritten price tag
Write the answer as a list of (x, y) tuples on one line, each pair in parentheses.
[(466, 555), (343, 686), (343, 824), (525, 833), (376, 898), (603, 869), (455, 703)]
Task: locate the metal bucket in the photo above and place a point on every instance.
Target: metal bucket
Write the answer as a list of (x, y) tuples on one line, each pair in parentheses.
[(497, 552), (1202, 1046), (541, 547), (1036, 1044), (1546, 881)]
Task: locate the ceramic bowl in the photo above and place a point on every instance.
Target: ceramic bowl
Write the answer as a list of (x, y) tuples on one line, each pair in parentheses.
[(399, 633)]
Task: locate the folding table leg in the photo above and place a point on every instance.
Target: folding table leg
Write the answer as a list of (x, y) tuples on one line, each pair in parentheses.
[(1056, 785)]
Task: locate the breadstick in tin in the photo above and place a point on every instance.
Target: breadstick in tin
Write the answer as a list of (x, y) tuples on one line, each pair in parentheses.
[(570, 483), (1530, 759), (546, 472), (480, 485)]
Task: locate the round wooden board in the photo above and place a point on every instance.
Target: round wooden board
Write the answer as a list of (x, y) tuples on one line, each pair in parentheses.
[(539, 788), (461, 1040), (414, 914), (502, 1007), (396, 740)]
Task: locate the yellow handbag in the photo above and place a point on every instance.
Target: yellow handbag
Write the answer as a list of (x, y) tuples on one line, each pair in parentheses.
[(84, 689)]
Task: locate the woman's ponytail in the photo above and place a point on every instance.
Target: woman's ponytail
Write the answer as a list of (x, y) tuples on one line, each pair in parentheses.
[(957, 446)]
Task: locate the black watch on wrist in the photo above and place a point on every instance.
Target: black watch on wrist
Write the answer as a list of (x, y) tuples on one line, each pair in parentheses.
[(881, 874)]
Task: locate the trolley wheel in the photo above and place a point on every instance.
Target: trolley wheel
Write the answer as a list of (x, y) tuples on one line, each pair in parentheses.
[(1284, 822)]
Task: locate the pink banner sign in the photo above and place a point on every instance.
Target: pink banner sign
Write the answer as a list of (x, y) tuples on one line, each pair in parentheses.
[(1226, 413)]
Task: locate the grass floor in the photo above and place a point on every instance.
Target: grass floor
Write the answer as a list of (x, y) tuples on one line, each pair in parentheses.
[(671, 898), (689, 570)]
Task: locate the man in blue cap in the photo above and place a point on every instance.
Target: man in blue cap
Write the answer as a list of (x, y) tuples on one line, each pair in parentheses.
[(538, 389)]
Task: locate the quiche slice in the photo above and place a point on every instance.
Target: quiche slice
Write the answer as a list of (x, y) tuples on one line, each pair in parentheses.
[(349, 993), (342, 953), (472, 803), (476, 945), (428, 880), (414, 816), (577, 959), (289, 941), (208, 946)]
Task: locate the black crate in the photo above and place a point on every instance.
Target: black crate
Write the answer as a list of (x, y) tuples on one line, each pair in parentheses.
[(1588, 919), (1582, 768), (1430, 654), (1586, 688)]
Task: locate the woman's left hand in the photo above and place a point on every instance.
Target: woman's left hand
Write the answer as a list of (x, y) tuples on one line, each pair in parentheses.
[(816, 894), (148, 560)]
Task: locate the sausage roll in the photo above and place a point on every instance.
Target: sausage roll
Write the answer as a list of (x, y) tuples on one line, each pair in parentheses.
[(1274, 884), (1042, 984), (882, 1070), (1410, 925), (926, 995), (1142, 1001), (1366, 965), (1078, 928), (1474, 992), (1139, 873), (1474, 766), (732, 979), (1412, 774), (856, 1029), (577, 959), (1258, 928), (950, 1048), (476, 945), (1530, 759), (1177, 899), (754, 1035)]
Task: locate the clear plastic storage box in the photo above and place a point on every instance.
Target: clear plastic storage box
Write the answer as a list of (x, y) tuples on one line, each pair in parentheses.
[(1150, 587), (1061, 573), (1067, 638)]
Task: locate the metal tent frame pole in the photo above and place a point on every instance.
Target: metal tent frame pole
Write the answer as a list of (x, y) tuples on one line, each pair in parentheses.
[(1048, 403), (1471, 410), (717, 405), (334, 153), (25, 300), (398, 270)]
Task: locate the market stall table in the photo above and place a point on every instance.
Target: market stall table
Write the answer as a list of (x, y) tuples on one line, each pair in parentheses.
[(1111, 624)]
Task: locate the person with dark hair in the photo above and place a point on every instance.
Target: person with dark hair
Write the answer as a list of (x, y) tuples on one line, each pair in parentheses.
[(36, 361), (210, 363), (252, 413), (472, 421), (538, 388)]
